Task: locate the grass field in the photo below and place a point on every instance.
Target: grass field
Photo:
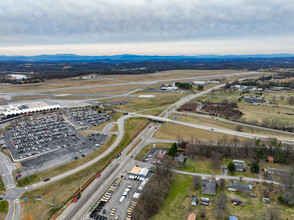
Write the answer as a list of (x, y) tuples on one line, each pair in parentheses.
[(4, 205), (254, 112), (24, 97), (174, 131), (199, 165), (172, 74), (98, 90), (64, 188), (54, 84), (139, 104), (178, 206), (2, 186), (229, 126), (259, 113)]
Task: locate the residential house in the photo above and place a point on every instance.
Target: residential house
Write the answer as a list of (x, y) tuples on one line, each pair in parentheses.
[(208, 187)]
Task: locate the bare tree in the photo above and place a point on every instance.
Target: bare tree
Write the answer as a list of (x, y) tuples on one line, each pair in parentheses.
[(239, 128), (216, 160), (272, 212), (221, 205), (197, 183), (202, 213), (163, 168)]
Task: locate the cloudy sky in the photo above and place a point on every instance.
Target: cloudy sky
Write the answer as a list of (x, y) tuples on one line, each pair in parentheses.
[(164, 27)]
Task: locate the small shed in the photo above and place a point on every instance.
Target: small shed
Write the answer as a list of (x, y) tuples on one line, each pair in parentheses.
[(270, 159), (194, 201)]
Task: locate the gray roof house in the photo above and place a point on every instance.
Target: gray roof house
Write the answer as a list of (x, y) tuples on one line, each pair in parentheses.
[(209, 187), (253, 100), (180, 159), (240, 168), (238, 187)]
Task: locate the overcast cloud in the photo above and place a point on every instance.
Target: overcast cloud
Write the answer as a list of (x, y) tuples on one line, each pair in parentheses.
[(24, 23)]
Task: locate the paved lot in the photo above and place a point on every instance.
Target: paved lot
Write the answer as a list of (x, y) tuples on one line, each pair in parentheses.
[(87, 118), (47, 142), (114, 202)]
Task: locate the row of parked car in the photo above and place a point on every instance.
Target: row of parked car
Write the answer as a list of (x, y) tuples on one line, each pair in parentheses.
[(105, 198), (130, 210), (41, 135), (88, 117)]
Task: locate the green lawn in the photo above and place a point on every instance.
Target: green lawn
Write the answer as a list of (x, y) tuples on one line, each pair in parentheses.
[(2, 186), (3, 209), (199, 165)]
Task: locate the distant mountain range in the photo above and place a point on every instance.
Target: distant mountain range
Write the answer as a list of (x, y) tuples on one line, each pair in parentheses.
[(131, 58)]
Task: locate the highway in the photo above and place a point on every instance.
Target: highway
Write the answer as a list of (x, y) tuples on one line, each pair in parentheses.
[(218, 130)]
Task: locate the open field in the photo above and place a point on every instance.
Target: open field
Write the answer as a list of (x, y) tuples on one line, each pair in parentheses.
[(54, 84), (178, 206), (102, 90), (24, 97), (229, 126), (3, 209), (174, 131), (2, 186), (172, 74), (139, 104), (199, 165), (262, 112), (253, 112), (64, 188)]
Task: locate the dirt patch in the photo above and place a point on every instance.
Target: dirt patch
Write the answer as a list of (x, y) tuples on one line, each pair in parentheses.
[(225, 110), (190, 107)]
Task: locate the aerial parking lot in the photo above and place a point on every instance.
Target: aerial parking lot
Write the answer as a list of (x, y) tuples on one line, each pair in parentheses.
[(46, 142), (87, 118), (121, 197)]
